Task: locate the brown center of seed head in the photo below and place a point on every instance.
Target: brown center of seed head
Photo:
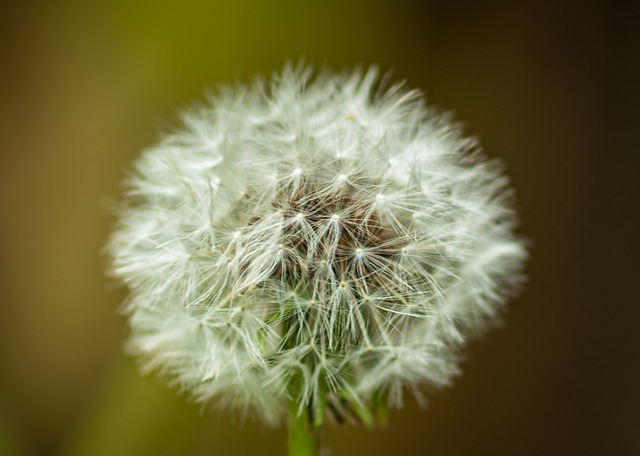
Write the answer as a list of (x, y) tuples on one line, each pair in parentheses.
[(338, 237)]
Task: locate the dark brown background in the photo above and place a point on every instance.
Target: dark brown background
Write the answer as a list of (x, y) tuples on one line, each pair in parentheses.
[(550, 87)]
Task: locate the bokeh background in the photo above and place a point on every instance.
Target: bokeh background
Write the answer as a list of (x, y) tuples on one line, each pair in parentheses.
[(548, 86)]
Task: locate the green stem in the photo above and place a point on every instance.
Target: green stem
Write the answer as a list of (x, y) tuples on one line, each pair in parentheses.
[(303, 441)]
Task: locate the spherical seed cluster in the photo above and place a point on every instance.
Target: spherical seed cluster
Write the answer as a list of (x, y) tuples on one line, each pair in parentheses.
[(313, 240)]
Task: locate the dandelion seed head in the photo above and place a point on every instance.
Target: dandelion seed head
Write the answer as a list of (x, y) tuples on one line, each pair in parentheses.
[(358, 256)]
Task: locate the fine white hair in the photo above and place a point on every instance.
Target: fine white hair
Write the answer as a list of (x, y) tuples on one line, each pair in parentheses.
[(318, 230)]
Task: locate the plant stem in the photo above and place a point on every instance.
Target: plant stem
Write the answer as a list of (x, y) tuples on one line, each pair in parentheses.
[(303, 441)]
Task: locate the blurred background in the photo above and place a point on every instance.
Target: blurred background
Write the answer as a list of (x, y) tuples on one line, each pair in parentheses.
[(548, 86)]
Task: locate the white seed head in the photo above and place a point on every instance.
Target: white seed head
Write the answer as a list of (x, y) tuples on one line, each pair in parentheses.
[(278, 236)]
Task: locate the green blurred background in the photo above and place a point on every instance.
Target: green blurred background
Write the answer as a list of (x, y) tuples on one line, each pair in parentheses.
[(550, 87)]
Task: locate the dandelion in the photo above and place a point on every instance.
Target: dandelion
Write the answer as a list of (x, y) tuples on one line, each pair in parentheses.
[(313, 244)]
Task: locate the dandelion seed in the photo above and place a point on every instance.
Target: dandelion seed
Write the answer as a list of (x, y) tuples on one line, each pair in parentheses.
[(290, 278)]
